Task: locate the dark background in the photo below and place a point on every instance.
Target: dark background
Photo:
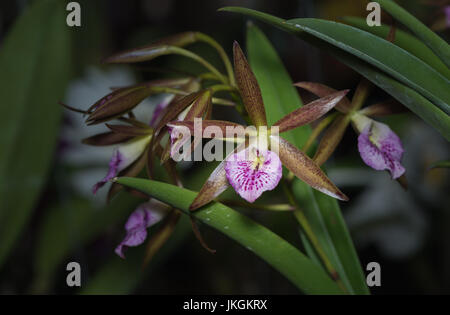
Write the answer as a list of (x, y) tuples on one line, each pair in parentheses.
[(183, 266)]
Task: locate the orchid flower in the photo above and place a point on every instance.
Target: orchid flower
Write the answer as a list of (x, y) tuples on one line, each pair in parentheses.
[(379, 147), (253, 169), (145, 215)]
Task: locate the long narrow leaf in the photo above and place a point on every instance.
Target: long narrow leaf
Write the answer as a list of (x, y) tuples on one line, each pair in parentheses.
[(403, 40), (437, 44), (405, 95), (281, 255), (35, 68)]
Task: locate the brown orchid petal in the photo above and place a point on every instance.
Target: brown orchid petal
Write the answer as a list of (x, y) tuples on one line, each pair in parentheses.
[(322, 90), (169, 83), (175, 109), (361, 94), (153, 50), (248, 88), (199, 106), (106, 138), (331, 139), (130, 130), (216, 184), (390, 107), (219, 124), (208, 113), (134, 122), (170, 167), (165, 155), (131, 171), (304, 168), (119, 104), (310, 112)]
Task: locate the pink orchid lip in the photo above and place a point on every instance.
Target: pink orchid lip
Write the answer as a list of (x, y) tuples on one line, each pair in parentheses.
[(379, 147), (251, 172)]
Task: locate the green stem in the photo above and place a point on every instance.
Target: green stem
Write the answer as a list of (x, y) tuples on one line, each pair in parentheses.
[(317, 130), (205, 38), (361, 95), (206, 64), (222, 87), (306, 227)]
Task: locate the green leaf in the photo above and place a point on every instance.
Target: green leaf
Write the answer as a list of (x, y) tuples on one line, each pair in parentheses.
[(405, 41), (430, 38), (35, 63), (281, 98), (407, 96), (384, 55), (281, 255)]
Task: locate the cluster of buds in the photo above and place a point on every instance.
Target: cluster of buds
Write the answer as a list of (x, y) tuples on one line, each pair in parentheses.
[(256, 160)]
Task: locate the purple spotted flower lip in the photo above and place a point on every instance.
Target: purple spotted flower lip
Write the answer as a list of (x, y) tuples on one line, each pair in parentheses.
[(379, 147), (146, 215), (252, 172)]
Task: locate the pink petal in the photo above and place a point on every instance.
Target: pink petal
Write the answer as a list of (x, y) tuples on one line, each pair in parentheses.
[(123, 156), (160, 109), (114, 165), (447, 15), (146, 215), (381, 149), (251, 172)]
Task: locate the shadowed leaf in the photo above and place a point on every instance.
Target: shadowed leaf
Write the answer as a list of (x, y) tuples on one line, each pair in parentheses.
[(405, 41), (36, 65), (430, 38)]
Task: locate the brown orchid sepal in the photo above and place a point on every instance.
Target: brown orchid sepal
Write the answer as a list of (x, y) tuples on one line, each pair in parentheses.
[(258, 167)]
